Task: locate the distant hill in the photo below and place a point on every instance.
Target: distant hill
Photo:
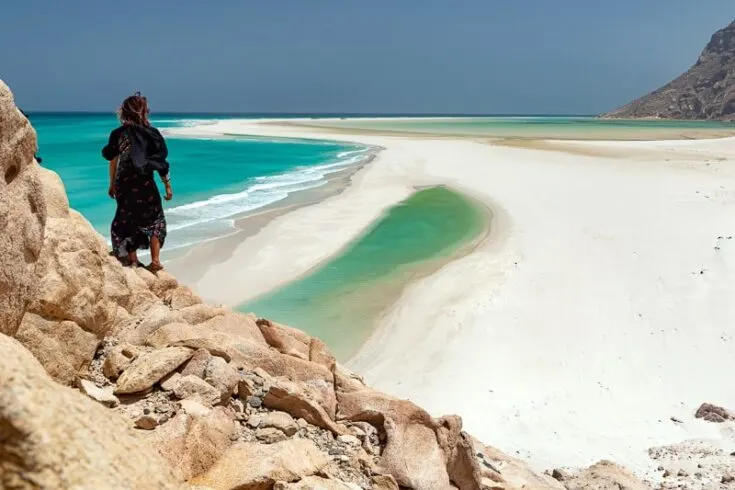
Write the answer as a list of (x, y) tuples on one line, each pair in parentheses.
[(706, 91)]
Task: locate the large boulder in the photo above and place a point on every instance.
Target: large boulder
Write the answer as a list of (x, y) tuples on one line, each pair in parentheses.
[(22, 213), (54, 437), (193, 441), (285, 461)]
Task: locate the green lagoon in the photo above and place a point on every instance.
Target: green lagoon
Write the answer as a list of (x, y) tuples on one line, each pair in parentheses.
[(340, 300)]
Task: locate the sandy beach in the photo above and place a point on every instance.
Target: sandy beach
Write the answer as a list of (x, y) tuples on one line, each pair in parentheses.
[(599, 307)]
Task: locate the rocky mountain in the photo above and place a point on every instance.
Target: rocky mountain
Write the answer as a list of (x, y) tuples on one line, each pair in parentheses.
[(114, 377), (706, 91)]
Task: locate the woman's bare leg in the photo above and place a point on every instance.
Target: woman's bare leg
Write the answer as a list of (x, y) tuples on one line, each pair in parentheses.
[(133, 257), (155, 252)]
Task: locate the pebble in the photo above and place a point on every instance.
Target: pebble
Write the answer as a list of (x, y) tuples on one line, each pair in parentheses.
[(146, 422), (254, 401)]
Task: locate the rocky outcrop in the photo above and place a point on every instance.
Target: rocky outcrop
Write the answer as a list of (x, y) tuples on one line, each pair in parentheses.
[(53, 437), (227, 400), (705, 91), (22, 213)]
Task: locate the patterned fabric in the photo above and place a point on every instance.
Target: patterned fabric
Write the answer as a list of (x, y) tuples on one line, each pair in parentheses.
[(139, 215)]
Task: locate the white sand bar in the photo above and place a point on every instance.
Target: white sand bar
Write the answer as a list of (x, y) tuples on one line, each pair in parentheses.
[(602, 304)]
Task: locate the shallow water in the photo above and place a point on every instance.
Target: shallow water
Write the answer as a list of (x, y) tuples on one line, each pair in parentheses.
[(213, 179), (341, 299), (553, 127)]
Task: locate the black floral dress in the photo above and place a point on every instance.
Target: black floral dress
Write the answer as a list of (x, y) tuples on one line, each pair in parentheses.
[(139, 215)]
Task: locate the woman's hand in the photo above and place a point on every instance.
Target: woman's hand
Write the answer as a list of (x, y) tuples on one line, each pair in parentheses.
[(169, 191), (111, 191)]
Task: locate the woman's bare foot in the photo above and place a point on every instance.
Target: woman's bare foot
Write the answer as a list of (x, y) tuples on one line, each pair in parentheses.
[(155, 266)]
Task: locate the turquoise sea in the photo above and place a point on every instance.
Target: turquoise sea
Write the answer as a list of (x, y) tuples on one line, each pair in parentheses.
[(213, 179)]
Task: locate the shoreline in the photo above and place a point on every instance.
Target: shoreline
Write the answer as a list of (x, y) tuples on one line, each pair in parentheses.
[(219, 249), (603, 265)]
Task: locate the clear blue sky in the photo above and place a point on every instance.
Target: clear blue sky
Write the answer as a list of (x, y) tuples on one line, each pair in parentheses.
[(450, 56)]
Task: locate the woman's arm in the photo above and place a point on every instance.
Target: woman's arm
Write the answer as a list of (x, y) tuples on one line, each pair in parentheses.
[(113, 173)]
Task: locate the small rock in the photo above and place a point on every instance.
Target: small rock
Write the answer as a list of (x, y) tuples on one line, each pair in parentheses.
[(119, 358), (270, 435), (194, 387), (169, 382), (675, 420), (559, 474), (304, 424), (278, 420), (146, 422), (255, 401), (241, 417), (335, 451), (194, 407), (101, 395), (163, 419), (149, 369), (666, 474), (245, 388), (727, 479), (222, 376), (712, 413), (682, 473), (197, 364), (261, 373), (660, 468), (343, 458), (255, 420)]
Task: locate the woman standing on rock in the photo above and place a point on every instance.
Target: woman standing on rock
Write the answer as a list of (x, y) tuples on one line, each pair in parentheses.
[(135, 151)]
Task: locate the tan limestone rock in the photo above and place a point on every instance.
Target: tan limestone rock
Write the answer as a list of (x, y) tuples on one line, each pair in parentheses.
[(148, 369), (292, 399), (511, 472), (171, 333), (22, 213), (57, 204), (285, 461), (70, 276), (181, 297), (384, 482), (62, 347), (101, 395), (292, 342), (277, 420), (317, 483), (55, 437), (197, 364), (192, 442), (237, 326), (200, 313), (214, 347), (145, 323), (222, 376), (195, 387), (314, 379), (118, 360), (163, 283), (605, 475)]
